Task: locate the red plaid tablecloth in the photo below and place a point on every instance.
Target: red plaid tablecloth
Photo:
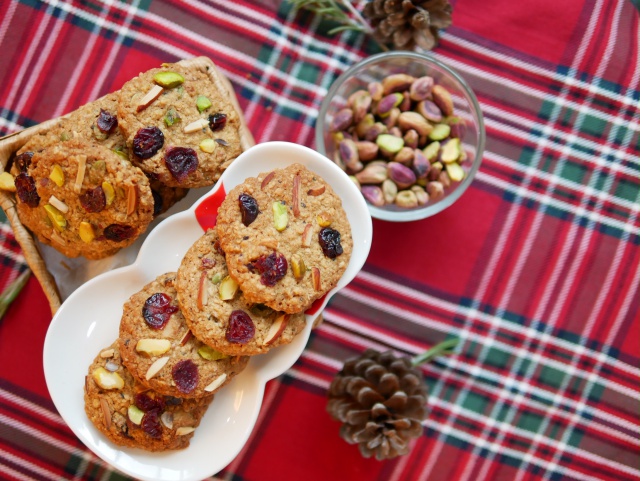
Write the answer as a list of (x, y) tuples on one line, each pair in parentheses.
[(535, 269)]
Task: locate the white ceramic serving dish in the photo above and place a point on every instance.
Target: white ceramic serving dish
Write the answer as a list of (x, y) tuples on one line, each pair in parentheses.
[(88, 321)]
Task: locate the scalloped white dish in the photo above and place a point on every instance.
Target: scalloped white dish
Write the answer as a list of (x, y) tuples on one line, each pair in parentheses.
[(88, 321)]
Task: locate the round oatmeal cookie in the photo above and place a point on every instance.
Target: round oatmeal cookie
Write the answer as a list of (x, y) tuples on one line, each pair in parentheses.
[(95, 122), (286, 237), (219, 314), (83, 199), (179, 126), (159, 350), (129, 414)]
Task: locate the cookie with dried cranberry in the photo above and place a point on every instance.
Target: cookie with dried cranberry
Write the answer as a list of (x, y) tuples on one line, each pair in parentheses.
[(286, 237), (180, 126), (95, 122), (83, 199), (159, 350), (129, 414), (218, 312)]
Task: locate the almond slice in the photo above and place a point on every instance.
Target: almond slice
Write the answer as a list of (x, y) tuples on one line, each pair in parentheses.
[(187, 335), (181, 431), (306, 235), (132, 198), (276, 329), (203, 291), (57, 238), (150, 96), (267, 179), (82, 167), (314, 191), (155, 368), (107, 353), (296, 196), (195, 126), (106, 412), (216, 383), (315, 276), (58, 204)]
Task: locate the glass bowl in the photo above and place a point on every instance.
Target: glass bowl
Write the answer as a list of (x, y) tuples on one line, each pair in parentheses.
[(466, 110)]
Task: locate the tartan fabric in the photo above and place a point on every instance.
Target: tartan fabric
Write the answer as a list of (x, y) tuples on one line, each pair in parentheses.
[(535, 269)]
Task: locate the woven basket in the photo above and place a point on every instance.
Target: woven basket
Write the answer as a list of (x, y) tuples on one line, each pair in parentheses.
[(12, 143)]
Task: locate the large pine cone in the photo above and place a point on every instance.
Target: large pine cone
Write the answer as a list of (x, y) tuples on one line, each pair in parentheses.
[(381, 399), (405, 24)]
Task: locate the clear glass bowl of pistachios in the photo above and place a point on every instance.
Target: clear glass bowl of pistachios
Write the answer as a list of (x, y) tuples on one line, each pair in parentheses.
[(407, 129)]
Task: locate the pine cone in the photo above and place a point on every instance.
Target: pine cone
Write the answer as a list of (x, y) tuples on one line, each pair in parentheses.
[(381, 399), (405, 24)]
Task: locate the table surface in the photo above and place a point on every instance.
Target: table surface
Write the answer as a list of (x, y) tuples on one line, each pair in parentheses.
[(535, 269)]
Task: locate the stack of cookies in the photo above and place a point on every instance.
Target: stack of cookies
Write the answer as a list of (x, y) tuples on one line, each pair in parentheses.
[(282, 240), (91, 184)]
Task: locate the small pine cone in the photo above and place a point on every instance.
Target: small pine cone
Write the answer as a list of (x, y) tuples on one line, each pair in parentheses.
[(381, 399), (405, 24)]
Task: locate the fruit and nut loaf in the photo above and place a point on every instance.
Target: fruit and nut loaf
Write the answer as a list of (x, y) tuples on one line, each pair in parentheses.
[(131, 415), (179, 127), (286, 238), (400, 140)]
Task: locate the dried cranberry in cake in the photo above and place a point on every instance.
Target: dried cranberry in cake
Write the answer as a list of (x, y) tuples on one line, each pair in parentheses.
[(217, 121), (151, 423), (241, 328), (26, 190), (185, 375), (157, 203), (93, 200), (272, 268), (23, 161), (106, 122), (248, 208), (181, 161), (157, 310), (147, 141), (330, 242), (119, 232)]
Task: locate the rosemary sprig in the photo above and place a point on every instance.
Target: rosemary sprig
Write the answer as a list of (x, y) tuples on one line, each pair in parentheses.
[(12, 291), (443, 349), (340, 11)]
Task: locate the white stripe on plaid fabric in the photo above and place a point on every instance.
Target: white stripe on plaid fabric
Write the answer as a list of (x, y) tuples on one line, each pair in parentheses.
[(123, 33), (5, 233), (82, 62), (625, 100), (569, 258), (605, 291), (484, 380), (6, 21), (50, 440), (20, 85), (489, 319), (526, 126), (568, 184), (545, 202), (469, 414), (34, 408), (512, 85), (34, 469)]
